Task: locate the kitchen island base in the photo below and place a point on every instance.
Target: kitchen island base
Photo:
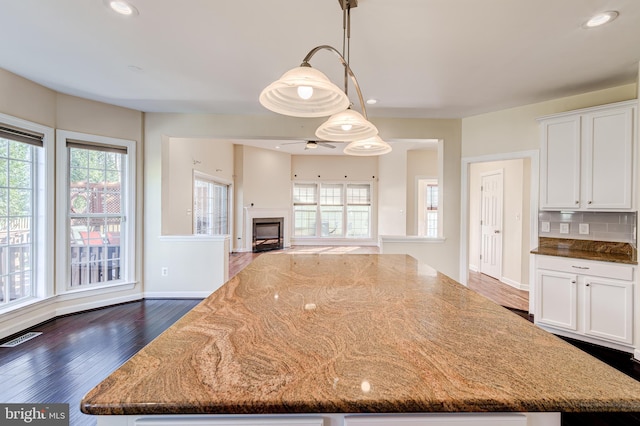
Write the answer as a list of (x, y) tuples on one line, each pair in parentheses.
[(426, 419)]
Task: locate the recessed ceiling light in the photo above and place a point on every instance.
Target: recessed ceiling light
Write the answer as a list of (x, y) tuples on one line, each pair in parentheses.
[(601, 19), (122, 7), (372, 101)]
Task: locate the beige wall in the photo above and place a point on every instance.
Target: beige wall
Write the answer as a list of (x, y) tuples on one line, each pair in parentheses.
[(209, 156), (516, 129), (515, 228), (27, 100), (331, 167), (420, 163)]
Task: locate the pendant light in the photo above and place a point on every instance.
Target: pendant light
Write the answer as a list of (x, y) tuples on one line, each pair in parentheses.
[(370, 146), (307, 92)]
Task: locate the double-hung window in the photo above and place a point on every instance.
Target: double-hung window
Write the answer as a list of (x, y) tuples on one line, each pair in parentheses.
[(97, 176), (21, 213), (428, 208), (332, 209)]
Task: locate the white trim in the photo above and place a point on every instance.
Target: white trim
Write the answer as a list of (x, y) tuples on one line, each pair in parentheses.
[(230, 199), (102, 303), (333, 242), (533, 156), (473, 268), (128, 227), (177, 294), (514, 284), (251, 213), (44, 225), (483, 175), (194, 238), (410, 239), (636, 355)]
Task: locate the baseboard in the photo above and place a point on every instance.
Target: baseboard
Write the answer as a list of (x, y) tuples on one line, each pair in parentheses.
[(473, 268), (177, 294), (636, 355), (515, 284), (97, 304)]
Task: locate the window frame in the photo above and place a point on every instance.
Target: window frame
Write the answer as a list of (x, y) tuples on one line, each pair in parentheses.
[(198, 175), (420, 203), (343, 238), (43, 217), (128, 225)]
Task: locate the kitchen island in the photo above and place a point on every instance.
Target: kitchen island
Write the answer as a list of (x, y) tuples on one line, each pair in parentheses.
[(328, 337)]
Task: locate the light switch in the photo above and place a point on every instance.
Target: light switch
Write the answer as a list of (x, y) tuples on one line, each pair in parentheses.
[(564, 228), (583, 228), (545, 227)]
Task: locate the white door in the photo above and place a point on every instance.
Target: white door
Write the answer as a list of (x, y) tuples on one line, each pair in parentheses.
[(491, 224)]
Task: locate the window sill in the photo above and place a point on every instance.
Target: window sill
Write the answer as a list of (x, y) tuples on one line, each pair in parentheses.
[(97, 289)]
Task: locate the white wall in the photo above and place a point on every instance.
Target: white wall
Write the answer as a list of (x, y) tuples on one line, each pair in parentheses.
[(27, 100), (515, 263)]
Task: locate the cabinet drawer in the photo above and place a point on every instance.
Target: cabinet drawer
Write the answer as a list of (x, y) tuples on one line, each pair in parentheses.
[(586, 267)]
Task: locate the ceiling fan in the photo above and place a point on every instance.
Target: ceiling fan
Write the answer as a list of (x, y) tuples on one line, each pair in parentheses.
[(313, 144)]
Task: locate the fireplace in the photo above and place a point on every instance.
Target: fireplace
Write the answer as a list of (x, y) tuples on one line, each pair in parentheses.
[(268, 233)]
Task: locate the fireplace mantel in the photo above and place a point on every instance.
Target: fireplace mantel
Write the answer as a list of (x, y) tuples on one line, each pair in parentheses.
[(251, 213)]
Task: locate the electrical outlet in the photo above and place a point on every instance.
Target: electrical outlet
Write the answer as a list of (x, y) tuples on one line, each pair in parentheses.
[(584, 228), (564, 228), (545, 227), (164, 271)]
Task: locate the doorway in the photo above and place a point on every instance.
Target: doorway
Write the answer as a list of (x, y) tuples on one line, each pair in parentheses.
[(496, 241)]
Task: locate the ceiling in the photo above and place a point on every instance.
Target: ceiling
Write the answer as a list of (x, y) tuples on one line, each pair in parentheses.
[(419, 58)]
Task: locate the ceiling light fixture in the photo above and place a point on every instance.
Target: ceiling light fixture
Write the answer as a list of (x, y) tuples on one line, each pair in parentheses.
[(601, 19), (370, 146), (307, 92), (122, 7)]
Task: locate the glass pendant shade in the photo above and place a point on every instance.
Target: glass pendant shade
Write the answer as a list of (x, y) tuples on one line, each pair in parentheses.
[(370, 146), (346, 126), (304, 92)]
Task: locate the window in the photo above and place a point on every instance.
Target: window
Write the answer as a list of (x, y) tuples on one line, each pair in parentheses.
[(210, 206), (19, 152), (305, 205), (428, 207), (332, 210), (99, 200)]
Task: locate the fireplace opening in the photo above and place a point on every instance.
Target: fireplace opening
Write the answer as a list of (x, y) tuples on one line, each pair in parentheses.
[(268, 233)]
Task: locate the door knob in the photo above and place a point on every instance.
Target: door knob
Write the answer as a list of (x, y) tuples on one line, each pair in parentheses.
[(497, 231)]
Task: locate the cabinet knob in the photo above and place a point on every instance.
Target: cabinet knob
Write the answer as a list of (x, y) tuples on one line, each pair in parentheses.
[(573, 281), (590, 202), (587, 284), (577, 202)]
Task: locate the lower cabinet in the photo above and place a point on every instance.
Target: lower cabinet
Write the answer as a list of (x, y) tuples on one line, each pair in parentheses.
[(586, 299)]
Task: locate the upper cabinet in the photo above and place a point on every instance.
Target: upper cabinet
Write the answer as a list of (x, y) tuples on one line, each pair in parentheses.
[(587, 158)]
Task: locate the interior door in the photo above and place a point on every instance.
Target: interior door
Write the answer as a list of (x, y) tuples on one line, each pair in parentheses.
[(491, 224)]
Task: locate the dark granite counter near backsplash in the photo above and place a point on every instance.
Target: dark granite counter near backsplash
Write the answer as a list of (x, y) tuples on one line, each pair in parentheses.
[(586, 249)]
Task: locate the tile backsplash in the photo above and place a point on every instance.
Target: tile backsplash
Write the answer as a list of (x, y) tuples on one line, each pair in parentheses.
[(601, 226)]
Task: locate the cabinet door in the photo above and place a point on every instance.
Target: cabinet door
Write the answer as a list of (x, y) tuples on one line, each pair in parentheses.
[(607, 145), (560, 163), (608, 309), (556, 294)]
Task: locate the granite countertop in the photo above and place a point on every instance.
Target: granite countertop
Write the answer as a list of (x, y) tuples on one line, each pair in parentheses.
[(586, 249), (305, 333)]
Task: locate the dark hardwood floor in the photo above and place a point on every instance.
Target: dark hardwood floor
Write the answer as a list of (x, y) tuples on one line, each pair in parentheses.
[(77, 351)]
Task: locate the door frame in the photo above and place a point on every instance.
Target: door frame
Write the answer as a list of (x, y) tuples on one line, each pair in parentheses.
[(534, 157)]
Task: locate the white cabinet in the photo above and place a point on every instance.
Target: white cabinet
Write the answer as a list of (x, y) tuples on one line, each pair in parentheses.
[(587, 158), (557, 297), (585, 299), (608, 309)]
